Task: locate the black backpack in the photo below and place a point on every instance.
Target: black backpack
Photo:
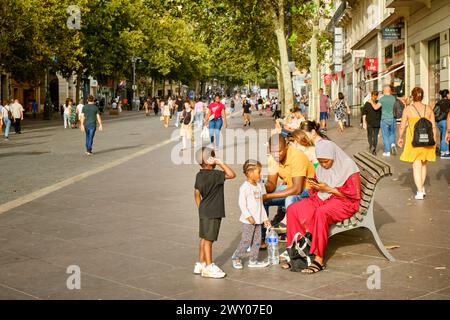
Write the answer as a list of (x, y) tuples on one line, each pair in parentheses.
[(423, 132), (398, 109), (441, 110)]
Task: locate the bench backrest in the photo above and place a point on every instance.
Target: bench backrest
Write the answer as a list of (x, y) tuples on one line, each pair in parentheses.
[(372, 170)]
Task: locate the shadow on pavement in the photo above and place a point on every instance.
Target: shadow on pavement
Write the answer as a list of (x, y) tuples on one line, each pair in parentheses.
[(32, 153), (117, 149)]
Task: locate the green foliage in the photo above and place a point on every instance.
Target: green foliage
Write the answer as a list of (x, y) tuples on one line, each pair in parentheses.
[(176, 39)]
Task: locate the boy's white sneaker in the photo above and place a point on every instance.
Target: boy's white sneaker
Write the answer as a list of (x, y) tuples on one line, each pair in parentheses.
[(258, 264), (386, 154), (213, 271), (199, 266)]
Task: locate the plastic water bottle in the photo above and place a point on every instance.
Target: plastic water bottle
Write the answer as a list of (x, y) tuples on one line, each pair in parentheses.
[(262, 184), (272, 247)]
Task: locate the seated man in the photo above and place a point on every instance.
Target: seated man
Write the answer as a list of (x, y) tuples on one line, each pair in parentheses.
[(293, 167), (289, 123)]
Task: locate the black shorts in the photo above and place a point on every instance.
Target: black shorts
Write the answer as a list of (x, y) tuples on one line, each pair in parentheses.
[(209, 228)]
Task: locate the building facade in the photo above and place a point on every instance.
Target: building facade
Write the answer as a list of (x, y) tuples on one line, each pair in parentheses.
[(400, 43), (427, 44)]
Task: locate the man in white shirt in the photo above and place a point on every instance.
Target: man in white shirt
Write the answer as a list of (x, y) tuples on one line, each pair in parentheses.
[(17, 112), (80, 109), (4, 118)]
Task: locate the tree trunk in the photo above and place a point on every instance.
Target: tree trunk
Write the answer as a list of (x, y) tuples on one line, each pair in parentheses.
[(278, 20), (280, 88), (77, 88)]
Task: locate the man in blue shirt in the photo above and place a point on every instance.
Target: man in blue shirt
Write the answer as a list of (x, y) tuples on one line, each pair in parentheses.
[(388, 123), (34, 108)]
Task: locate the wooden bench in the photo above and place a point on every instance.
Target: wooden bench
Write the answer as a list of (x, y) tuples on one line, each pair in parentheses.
[(372, 171)]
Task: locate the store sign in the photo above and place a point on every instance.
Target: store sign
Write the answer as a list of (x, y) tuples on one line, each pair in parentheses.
[(359, 53), (371, 64), (338, 49), (391, 33)]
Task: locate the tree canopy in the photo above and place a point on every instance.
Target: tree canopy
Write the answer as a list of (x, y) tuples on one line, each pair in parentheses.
[(182, 40)]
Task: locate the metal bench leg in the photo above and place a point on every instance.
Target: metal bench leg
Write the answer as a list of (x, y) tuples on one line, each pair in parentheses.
[(370, 224)]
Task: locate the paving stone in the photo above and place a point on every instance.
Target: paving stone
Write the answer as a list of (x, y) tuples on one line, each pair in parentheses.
[(433, 296), (357, 290), (11, 294)]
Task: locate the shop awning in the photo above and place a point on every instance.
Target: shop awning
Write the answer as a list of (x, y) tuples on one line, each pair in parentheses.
[(387, 72)]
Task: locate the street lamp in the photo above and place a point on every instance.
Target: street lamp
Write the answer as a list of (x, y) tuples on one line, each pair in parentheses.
[(134, 60)]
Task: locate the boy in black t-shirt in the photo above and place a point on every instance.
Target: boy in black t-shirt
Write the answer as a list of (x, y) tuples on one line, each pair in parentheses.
[(209, 197)]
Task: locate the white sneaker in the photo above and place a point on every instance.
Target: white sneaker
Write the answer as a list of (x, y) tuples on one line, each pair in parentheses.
[(419, 196), (199, 266), (386, 154), (213, 271), (258, 264), (393, 149), (237, 263)]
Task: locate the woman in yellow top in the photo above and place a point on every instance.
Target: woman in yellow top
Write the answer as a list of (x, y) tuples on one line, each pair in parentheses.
[(419, 156)]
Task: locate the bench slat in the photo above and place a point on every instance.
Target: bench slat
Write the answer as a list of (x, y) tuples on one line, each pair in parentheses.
[(381, 164), (380, 161), (366, 197), (375, 165), (364, 203), (362, 211), (367, 183), (366, 191), (346, 222), (369, 174), (370, 164)]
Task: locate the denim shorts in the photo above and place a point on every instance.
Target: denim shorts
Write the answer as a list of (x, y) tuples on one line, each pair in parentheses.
[(323, 116)]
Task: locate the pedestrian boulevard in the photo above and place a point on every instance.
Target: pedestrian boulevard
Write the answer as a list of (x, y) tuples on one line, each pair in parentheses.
[(132, 229)]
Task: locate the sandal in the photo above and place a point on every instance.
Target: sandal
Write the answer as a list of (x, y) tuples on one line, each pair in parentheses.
[(284, 257), (314, 268)]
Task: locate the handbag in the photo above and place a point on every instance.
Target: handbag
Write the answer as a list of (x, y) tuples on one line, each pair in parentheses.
[(299, 255), (205, 133)]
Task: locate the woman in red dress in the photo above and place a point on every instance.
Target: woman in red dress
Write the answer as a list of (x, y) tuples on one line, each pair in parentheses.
[(334, 197)]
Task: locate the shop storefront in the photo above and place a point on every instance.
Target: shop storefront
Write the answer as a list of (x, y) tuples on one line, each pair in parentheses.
[(392, 67), (434, 67)]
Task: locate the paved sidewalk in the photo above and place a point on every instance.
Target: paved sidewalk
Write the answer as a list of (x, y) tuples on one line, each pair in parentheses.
[(133, 231), (38, 123)]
